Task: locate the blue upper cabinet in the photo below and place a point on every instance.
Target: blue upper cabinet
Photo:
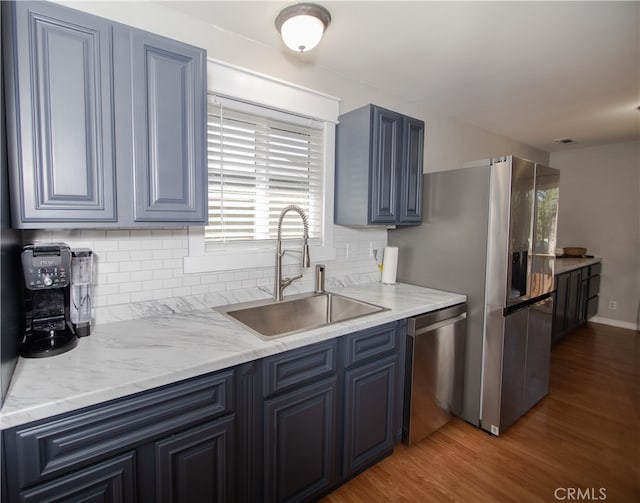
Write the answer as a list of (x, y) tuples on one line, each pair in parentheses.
[(378, 178), (59, 115), (411, 177), (168, 117), (96, 109)]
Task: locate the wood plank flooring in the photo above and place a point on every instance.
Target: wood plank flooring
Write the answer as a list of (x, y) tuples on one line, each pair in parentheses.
[(580, 443)]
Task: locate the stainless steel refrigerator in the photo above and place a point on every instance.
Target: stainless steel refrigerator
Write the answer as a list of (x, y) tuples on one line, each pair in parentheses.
[(489, 232)]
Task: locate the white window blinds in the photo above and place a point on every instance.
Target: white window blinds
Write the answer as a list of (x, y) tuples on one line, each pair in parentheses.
[(260, 161)]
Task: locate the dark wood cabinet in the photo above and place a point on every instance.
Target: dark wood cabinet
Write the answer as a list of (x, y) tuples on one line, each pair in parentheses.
[(379, 159), (95, 109), (576, 299)]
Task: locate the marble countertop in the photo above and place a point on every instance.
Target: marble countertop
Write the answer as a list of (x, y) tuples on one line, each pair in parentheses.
[(566, 264), (127, 357)]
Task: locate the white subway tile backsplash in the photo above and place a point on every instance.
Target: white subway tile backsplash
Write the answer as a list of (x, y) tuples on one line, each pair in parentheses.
[(141, 275), (181, 292), (121, 298), (104, 246), (106, 267), (199, 289), (145, 265), (191, 280), (161, 254), (172, 283), (130, 286), (129, 244), (163, 274), (152, 285), (131, 265), (117, 256), (151, 265)]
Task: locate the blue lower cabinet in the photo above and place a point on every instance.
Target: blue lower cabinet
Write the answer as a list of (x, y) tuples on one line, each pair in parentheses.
[(369, 409), (113, 480), (287, 428), (196, 466), (300, 444), (167, 444)]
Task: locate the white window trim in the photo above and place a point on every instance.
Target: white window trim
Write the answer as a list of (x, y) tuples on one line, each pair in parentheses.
[(243, 84)]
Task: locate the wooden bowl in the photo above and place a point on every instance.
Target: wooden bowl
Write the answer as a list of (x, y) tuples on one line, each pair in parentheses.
[(574, 251)]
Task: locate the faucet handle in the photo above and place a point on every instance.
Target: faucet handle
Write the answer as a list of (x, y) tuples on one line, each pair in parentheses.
[(319, 277)]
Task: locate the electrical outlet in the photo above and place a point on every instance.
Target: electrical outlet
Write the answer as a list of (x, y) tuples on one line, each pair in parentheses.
[(613, 305)]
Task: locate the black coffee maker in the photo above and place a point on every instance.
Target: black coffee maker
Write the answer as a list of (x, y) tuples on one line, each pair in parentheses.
[(47, 277)]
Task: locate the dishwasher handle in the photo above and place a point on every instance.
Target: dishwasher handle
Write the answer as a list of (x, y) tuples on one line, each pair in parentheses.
[(441, 317)]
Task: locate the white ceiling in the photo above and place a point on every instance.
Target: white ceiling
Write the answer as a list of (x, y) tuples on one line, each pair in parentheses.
[(531, 71)]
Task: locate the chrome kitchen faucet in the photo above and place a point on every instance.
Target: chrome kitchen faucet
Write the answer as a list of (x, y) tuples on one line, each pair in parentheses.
[(279, 283)]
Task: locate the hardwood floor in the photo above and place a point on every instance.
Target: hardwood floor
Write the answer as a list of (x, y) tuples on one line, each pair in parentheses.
[(580, 443)]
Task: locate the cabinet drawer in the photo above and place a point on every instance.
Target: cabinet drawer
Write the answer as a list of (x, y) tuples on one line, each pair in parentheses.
[(594, 286), (113, 480), (371, 343), (300, 366), (51, 448), (595, 269)]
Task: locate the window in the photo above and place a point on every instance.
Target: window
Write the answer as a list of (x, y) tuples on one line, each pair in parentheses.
[(260, 161), (283, 139)]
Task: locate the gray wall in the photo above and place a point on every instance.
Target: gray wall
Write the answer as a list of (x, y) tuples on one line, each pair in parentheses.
[(600, 210)]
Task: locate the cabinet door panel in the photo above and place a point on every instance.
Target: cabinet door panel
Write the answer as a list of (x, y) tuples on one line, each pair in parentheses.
[(300, 442), (369, 414), (169, 128), (193, 466), (560, 306), (60, 115), (110, 482), (411, 185), (386, 158)]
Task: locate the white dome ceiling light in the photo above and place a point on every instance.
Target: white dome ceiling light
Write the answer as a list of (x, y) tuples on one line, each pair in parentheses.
[(302, 25)]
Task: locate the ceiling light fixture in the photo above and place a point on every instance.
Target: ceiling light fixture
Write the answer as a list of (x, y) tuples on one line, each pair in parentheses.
[(564, 140), (302, 25)]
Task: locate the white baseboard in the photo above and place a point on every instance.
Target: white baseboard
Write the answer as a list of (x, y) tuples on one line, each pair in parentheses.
[(614, 323)]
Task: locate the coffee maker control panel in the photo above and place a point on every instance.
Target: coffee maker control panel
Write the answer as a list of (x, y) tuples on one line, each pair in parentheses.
[(46, 266)]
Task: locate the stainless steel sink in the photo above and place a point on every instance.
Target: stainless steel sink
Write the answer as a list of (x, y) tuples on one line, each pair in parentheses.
[(271, 319)]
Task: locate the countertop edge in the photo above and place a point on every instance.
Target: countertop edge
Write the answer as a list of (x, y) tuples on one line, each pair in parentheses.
[(568, 264)]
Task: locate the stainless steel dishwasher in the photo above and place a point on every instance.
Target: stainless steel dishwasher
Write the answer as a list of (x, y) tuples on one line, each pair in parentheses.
[(434, 370)]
